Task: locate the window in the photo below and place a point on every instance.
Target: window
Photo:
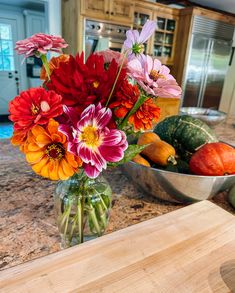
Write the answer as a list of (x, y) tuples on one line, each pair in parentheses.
[(6, 48)]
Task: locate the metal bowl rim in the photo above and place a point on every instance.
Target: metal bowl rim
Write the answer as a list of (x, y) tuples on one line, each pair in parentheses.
[(182, 174), (183, 110)]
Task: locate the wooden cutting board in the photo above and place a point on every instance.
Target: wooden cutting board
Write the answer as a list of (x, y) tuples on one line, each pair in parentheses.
[(188, 250)]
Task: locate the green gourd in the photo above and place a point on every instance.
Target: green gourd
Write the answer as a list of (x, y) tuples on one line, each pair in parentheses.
[(180, 167), (185, 133), (231, 196)]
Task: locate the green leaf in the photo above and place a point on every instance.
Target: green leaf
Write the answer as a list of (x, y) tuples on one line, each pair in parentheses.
[(130, 153)]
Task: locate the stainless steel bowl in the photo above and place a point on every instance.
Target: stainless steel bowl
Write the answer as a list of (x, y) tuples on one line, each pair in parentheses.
[(176, 187), (211, 117)]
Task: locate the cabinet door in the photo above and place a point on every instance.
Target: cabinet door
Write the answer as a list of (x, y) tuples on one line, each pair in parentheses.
[(165, 37), (34, 22), (95, 8), (121, 11), (141, 15)]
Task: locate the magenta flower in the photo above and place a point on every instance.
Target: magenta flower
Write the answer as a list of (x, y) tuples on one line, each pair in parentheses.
[(90, 138), (135, 40), (154, 78), (40, 44)]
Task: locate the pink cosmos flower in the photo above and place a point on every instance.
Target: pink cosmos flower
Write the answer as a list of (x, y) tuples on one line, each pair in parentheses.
[(91, 139), (109, 55), (40, 44), (135, 40), (154, 78)]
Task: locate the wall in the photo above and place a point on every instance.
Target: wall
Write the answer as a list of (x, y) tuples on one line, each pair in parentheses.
[(227, 103), (53, 10)]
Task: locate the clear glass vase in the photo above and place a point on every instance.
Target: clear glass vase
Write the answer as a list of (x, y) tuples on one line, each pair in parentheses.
[(82, 208)]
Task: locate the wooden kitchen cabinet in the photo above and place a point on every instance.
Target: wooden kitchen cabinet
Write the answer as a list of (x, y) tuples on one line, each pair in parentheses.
[(141, 15), (95, 8), (164, 39), (162, 44), (120, 11)]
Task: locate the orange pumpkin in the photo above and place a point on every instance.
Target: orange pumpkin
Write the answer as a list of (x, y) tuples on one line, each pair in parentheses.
[(213, 159)]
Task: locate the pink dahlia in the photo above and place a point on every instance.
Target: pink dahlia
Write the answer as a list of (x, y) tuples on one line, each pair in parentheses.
[(109, 55), (40, 44), (91, 139), (154, 78), (134, 43)]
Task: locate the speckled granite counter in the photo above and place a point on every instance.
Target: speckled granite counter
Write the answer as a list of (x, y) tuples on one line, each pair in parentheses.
[(27, 223)]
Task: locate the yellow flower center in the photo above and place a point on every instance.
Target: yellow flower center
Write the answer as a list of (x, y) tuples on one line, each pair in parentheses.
[(154, 75), (90, 136), (34, 109), (95, 84), (55, 151), (138, 48)]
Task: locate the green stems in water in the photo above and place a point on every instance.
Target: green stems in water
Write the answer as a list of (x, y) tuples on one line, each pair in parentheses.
[(46, 65), (84, 212)]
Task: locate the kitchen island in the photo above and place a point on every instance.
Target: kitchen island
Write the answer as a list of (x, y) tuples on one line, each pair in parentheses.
[(27, 223)]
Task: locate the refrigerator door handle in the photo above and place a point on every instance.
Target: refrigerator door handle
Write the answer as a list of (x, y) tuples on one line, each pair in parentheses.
[(205, 72), (231, 57)]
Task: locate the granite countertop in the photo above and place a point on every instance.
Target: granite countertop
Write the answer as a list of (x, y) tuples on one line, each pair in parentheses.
[(27, 221)]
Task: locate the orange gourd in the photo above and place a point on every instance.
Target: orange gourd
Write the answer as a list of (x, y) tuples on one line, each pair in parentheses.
[(147, 138), (213, 159), (161, 153), (140, 160)]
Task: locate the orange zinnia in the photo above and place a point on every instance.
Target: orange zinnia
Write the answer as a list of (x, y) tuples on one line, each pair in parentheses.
[(126, 98), (46, 151), (19, 137), (53, 64)]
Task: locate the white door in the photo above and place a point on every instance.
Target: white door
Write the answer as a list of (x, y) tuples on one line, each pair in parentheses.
[(12, 74)]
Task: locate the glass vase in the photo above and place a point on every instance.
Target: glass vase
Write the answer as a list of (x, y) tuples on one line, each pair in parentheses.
[(82, 208)]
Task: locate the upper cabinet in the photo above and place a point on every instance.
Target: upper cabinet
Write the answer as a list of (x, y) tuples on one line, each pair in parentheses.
[(141, 15), (162, 44), (165, 37), (120, 11)]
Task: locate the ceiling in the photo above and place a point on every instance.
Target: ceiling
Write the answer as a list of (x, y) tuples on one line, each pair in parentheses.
[(224, 5)]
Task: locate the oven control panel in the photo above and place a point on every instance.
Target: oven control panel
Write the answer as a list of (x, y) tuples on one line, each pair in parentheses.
[(94, 28)]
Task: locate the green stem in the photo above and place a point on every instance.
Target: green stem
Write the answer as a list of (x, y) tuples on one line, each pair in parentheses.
[(137, 105), (93, 217), (102, 214), (80, 211), (115, 82), (46, 65), (67, 220), (103, 203), (74, 223), (82, 216)]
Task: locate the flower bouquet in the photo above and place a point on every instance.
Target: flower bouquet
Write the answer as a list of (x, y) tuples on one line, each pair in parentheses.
[(76, 124)]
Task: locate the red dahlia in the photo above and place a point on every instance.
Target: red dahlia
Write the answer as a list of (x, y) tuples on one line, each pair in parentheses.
[(34, 106), (126, 98), (81, 84)]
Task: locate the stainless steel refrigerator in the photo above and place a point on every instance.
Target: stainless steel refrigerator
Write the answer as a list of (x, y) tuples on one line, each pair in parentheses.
[(207, 62)]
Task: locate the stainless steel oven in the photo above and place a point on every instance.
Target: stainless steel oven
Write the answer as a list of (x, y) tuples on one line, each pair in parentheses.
[(100, 36)]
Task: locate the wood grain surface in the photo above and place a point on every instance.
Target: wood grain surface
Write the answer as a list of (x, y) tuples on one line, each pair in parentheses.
[(189, 250)]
